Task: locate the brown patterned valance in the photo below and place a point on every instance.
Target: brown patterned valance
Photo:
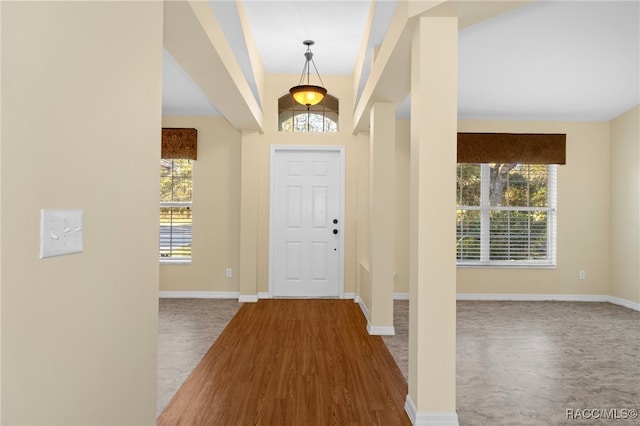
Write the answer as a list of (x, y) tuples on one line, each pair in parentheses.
[(528, 148), (179, 143)]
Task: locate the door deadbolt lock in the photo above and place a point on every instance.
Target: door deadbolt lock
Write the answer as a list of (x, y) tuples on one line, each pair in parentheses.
[(335, 221)]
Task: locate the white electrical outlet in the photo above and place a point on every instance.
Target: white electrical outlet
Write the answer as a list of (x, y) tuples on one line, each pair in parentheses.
[(229, 273), (582, 275), (60, 232)]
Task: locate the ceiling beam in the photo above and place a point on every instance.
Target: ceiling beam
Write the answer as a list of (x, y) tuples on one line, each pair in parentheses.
[(387, 80), (196, 41), (390, 79)]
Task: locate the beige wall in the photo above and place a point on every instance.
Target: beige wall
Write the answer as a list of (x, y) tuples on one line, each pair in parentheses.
[(340, 87), (216, 210), (81, 115), (401, 223), (403, 134), (216, 199), (583, 215), (363, 287), (625, 206), (583, 218)]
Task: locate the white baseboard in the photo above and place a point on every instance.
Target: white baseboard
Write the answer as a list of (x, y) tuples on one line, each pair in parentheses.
[(424, 418), (520, 297), (363, 307), (371, 329), (248, 298), (533, 297), (550, 297), (199, 294), (405, 296), (623, 302), (381, 330)]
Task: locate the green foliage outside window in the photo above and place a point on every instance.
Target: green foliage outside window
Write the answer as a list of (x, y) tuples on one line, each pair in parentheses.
[(293, 117), (503, 214), (309, 122), (176, 178)]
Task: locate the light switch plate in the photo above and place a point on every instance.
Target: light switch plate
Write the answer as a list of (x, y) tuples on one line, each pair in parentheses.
[(60, 232)]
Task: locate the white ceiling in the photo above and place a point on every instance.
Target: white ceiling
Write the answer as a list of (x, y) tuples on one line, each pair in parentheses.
[(550, 60)]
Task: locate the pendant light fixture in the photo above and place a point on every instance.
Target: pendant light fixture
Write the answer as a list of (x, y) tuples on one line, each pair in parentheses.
[(308, 94)]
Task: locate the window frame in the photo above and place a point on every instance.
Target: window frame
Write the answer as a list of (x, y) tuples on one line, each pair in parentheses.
[(178, 204), (328, 110), (485, 224)]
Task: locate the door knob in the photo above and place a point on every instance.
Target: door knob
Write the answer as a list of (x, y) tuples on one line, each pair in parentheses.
[(335, 231)]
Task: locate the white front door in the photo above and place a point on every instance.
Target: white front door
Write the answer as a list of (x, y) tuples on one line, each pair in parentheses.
[(306, 224)]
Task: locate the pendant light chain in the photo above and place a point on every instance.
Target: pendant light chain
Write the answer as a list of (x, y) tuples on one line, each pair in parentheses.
[(317, 73), (308, 94)]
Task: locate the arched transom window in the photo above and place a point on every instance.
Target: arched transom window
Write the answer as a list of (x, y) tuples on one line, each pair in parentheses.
[(293, 117)]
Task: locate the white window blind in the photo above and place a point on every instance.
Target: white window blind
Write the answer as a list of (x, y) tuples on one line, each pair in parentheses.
[(176, 181), (506, 214)]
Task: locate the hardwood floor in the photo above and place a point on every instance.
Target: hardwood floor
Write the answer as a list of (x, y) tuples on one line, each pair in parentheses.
[(293, 362)]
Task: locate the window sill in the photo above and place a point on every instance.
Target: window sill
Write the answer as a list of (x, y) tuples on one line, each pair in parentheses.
[(504, 266), (175, 261)]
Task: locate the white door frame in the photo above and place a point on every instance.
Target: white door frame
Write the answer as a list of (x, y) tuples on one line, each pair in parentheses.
[(292, 148)]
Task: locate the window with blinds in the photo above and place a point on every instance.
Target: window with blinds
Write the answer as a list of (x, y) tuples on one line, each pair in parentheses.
[(176, 181), (179, 149), (506, 214)]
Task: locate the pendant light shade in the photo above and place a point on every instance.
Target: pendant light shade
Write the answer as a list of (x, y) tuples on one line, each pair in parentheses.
[(308, 94)]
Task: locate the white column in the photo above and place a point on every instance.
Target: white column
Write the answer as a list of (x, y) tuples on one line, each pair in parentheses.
[(432, 309), (382, 217), (249, 217)]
